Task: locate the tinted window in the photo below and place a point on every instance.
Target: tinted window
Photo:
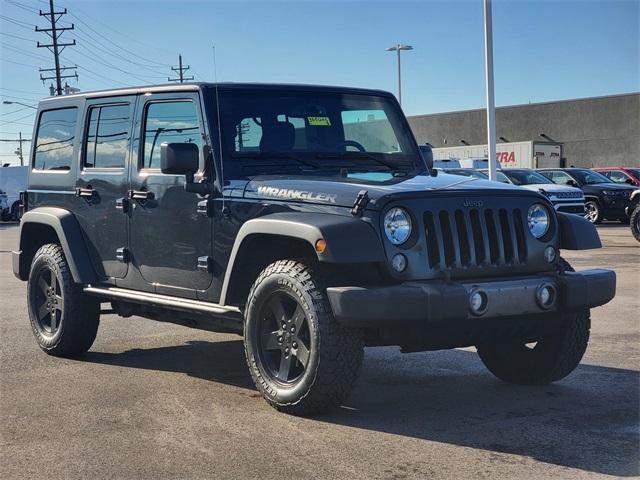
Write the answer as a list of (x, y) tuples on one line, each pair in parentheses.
[(170, 122), (590, 177), (526, 177), (617, 177), (107, 137), (55, 139), (558, 177)]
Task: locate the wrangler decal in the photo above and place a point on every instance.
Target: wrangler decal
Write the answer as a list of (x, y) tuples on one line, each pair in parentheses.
[(296, 194)]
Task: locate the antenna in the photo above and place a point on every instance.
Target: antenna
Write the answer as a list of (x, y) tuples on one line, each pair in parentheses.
[(215, 79)]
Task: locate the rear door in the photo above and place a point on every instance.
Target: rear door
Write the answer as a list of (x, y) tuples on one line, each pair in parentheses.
[(102, 182), (168, 235)]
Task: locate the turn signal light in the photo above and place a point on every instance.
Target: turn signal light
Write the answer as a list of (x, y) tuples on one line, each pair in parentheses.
[(321, 245)]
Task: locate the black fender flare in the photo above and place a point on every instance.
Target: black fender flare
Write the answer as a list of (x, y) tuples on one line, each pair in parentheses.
[(577, 233), (69, 233), (348, 239)]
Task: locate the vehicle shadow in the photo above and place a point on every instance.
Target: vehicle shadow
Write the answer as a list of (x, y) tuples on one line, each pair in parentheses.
[(589, 421)]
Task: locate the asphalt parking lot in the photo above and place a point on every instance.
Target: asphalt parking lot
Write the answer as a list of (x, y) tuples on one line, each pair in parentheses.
[(153, 400)]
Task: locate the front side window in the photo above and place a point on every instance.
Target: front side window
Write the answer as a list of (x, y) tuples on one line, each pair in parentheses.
[(617, 177), (169, 122), (107, 137), (55, 139), (560, 178)]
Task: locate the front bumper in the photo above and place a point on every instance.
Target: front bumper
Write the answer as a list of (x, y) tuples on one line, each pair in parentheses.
[(422, 303)]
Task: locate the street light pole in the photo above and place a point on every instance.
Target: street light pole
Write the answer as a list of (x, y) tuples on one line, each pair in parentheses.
[(491, 107), (7, 102), (397, 48)]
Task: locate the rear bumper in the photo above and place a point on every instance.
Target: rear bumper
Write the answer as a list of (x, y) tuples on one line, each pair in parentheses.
[(422, 303)]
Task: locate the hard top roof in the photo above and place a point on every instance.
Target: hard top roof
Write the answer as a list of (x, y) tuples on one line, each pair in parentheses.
[(226, 86)]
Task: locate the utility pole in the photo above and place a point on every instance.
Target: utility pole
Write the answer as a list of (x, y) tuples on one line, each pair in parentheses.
[(56, 47), (19, 151), (180, 69)]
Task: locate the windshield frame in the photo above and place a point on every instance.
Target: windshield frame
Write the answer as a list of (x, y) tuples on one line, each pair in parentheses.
[(409, 160)]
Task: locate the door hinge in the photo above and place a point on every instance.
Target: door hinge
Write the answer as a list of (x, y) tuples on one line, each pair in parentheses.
[(205, 207), (122, 255), (122, 204), (362, 200), (205, 264)]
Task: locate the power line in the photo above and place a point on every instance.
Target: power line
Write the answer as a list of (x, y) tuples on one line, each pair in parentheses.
[(180, 69), (55, 47)]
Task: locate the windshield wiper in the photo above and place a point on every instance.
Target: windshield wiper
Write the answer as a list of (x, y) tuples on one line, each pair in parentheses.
[(361, 155), (263, 155)]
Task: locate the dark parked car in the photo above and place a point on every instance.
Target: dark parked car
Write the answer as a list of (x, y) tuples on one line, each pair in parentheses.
[(624, 175), (604, 199), (303, 218)]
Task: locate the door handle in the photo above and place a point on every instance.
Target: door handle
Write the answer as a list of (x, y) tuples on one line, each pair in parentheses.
[(85, 192), (140, 195)]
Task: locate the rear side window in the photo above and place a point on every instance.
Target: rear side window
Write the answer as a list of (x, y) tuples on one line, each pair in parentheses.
[(55, 139), (170, 122), (107, 137)]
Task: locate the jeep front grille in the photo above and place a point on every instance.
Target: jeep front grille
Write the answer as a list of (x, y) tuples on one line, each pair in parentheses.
[(475, 238)]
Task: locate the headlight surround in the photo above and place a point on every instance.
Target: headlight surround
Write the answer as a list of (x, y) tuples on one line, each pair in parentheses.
[(538, 220), (397, 225)]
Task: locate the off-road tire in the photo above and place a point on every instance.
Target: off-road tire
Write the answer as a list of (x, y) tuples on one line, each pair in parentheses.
[(79, 316), (635, 223), (597, 209), (335, 352), (551, 359)]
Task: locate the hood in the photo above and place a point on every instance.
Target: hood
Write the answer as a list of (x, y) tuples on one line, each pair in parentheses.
[(343, 191), (552, 188), (610, 186)]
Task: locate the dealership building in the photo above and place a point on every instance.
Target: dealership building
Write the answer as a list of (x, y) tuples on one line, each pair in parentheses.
[(592, 132)]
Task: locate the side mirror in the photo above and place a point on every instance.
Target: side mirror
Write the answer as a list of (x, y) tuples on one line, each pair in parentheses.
[(572, 183), (179, 159), (629, 181)]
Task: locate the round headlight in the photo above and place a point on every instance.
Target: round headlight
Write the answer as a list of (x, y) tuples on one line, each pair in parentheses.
[(538, 220), (397, 225)]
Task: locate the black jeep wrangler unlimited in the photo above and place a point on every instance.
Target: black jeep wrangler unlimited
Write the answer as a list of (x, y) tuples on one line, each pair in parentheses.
[(303, 218)]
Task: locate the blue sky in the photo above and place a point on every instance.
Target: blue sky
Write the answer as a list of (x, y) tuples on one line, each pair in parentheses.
[(544, 50)]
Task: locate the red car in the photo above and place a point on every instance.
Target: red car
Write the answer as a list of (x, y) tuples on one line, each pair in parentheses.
[(628, 175)]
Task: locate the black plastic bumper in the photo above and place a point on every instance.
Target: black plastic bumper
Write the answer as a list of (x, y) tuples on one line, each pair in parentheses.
[(420, 303)]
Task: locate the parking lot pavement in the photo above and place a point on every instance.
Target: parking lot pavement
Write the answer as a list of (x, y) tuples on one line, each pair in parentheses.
[(153, 400)]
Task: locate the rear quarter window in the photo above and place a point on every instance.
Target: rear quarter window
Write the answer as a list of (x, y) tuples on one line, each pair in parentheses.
[(53, 148)]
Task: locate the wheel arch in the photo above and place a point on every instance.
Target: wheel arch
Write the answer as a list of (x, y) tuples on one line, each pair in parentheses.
[(53, 225), (263, 240)]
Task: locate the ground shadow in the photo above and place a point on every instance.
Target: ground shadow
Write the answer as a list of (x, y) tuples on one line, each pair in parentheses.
[(588, 421)]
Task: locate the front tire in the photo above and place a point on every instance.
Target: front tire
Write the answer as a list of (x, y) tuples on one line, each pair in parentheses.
[(593, 212), (635, 223), (301, 360), (551, 359), (64, 320)]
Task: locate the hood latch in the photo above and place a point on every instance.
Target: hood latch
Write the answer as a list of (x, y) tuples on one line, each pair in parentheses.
[(362, 200)]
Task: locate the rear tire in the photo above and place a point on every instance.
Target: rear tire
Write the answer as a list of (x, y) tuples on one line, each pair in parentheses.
[(301, 360), (551, 359), (64, 320), (635, 223)]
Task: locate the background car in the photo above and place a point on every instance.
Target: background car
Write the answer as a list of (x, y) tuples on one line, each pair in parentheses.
[(629, 176), (465, 172), (564, 198), (604, 199)]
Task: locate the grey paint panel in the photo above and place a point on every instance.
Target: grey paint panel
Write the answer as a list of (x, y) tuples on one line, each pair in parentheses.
[(68, 230)]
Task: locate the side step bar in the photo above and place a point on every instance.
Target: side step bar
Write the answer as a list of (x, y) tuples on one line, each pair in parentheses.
[(174, 303)]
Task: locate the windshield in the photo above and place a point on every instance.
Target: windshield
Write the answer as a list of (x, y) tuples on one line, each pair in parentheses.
[(325, 133), (589, 177), (526, 177)]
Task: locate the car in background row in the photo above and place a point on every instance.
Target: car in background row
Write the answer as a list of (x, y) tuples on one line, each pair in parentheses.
[(633, 211), (465, 172), (564, 198), (4, 206), (604, 199), (624, 175)]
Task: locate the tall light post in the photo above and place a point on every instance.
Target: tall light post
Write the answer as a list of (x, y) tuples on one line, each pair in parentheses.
[(491, 106), (7, 102), (398, 48)]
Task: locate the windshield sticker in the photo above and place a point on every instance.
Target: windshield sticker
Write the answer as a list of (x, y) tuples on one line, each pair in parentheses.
[(319, 121)]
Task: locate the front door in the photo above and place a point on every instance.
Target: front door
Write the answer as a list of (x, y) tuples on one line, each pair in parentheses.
[(168, 235), (102, 182)]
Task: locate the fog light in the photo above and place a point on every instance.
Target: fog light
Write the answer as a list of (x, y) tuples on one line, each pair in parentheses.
[(399, 263), (478, 302), (546, 295), (549, 254)]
